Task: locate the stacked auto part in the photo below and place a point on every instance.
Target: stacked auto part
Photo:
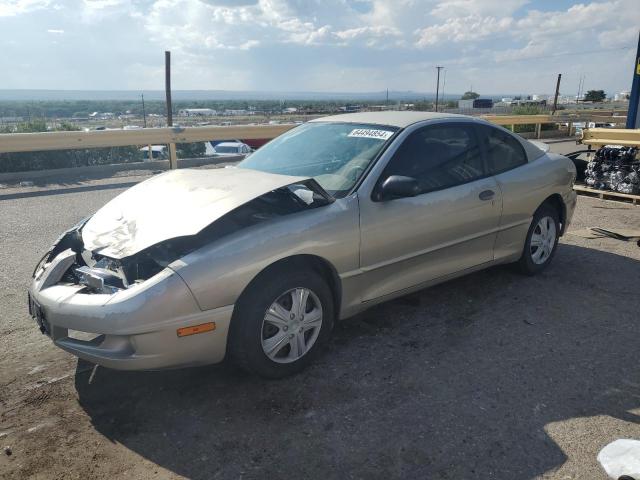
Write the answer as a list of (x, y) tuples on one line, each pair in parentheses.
[(614, 168)]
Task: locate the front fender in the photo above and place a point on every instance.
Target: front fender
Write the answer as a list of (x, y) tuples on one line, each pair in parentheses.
[(218, 273)]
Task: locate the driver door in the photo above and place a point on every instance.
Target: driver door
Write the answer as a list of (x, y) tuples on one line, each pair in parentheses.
[(448, 227)]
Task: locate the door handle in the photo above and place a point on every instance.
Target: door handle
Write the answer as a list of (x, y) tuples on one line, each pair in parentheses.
[(486, 195)]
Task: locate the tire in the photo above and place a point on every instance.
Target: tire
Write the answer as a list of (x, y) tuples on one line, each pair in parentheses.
[(536, 258), (266, 319)]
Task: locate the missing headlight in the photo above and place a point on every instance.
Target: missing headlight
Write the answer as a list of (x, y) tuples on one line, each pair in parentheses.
[(99, 279)]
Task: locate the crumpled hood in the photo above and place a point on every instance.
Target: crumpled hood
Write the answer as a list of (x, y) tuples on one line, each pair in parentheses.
[(174, 204)]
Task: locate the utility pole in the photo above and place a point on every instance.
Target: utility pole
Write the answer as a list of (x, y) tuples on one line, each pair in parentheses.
[(144, 113), (438, 85), (144, 119), (444, 83), (167, 86), (580, 87), (173, 161), (555, 99)]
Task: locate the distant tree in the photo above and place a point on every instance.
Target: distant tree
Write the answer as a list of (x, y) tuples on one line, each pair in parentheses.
[(32, 127), (423, 106), (595, 96), (527, 110), (67, 127), (470, 95), (191, 150)]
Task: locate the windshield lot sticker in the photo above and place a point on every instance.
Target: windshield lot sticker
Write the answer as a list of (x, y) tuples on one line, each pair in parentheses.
[(370, 133)]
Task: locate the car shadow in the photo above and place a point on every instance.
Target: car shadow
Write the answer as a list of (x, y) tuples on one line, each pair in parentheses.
[(455, 381)]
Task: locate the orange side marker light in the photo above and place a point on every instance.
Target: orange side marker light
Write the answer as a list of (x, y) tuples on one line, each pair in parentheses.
[(202, 328)]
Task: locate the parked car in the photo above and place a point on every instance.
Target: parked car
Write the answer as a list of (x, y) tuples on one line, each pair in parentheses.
[(580, 126), (211, 145), (157, 152), (257, 262), (227, 149)]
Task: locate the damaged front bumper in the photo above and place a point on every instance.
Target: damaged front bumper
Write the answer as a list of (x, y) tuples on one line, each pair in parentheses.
[(132, 329)]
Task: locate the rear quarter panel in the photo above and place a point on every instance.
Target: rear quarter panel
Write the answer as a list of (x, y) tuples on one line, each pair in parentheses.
[(524, 189)]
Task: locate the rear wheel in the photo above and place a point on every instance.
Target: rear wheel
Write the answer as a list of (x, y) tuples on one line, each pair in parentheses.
[(280, 323), (542, 240)]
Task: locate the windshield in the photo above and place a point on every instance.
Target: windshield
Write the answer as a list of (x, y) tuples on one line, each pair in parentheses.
[(223, 149), (334, 154)]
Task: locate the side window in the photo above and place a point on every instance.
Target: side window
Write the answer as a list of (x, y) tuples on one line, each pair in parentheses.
[(503, 151), (438, 156)]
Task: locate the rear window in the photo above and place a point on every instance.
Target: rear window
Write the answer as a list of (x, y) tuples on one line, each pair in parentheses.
[(504, 152), (226, 149)]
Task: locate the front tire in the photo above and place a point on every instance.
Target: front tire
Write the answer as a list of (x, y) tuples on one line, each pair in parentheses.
[(280, 322), (541, 242)]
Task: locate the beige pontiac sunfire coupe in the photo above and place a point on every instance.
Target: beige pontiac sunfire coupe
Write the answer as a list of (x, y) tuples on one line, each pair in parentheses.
[(256, 262)]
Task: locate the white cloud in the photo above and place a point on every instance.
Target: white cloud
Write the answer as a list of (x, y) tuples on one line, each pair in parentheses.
[(363, 32), (463, 29), (321, 44), (582, 27), (10, 8), (395, 13), (380, 36), (462, 8), (186, 24), (93, 11)]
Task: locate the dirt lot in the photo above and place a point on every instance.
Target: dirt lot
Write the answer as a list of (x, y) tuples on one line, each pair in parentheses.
[(495, 375)]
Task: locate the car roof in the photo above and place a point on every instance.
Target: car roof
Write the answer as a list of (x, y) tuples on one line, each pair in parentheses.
[(399, 119), (403, 119), (229, 144)]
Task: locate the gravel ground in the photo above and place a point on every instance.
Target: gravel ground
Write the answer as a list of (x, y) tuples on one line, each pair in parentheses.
[(494, 375)]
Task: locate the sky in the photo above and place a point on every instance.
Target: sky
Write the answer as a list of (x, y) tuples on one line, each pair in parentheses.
[(492, 46)]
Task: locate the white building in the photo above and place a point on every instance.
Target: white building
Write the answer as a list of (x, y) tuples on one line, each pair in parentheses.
[(197, 112), (622, 96), (230, 112)]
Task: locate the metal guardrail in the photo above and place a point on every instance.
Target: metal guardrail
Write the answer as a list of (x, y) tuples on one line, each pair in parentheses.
[(539, 119), (31, 142)]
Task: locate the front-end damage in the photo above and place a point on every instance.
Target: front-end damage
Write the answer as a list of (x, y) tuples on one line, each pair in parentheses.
[(134, 304), (100, 273)]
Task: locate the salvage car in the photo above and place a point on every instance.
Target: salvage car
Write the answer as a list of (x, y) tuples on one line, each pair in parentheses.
[(228, 149), (256, 262)]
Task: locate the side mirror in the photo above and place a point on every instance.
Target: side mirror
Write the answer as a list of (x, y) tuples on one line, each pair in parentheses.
[(398, 186)]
